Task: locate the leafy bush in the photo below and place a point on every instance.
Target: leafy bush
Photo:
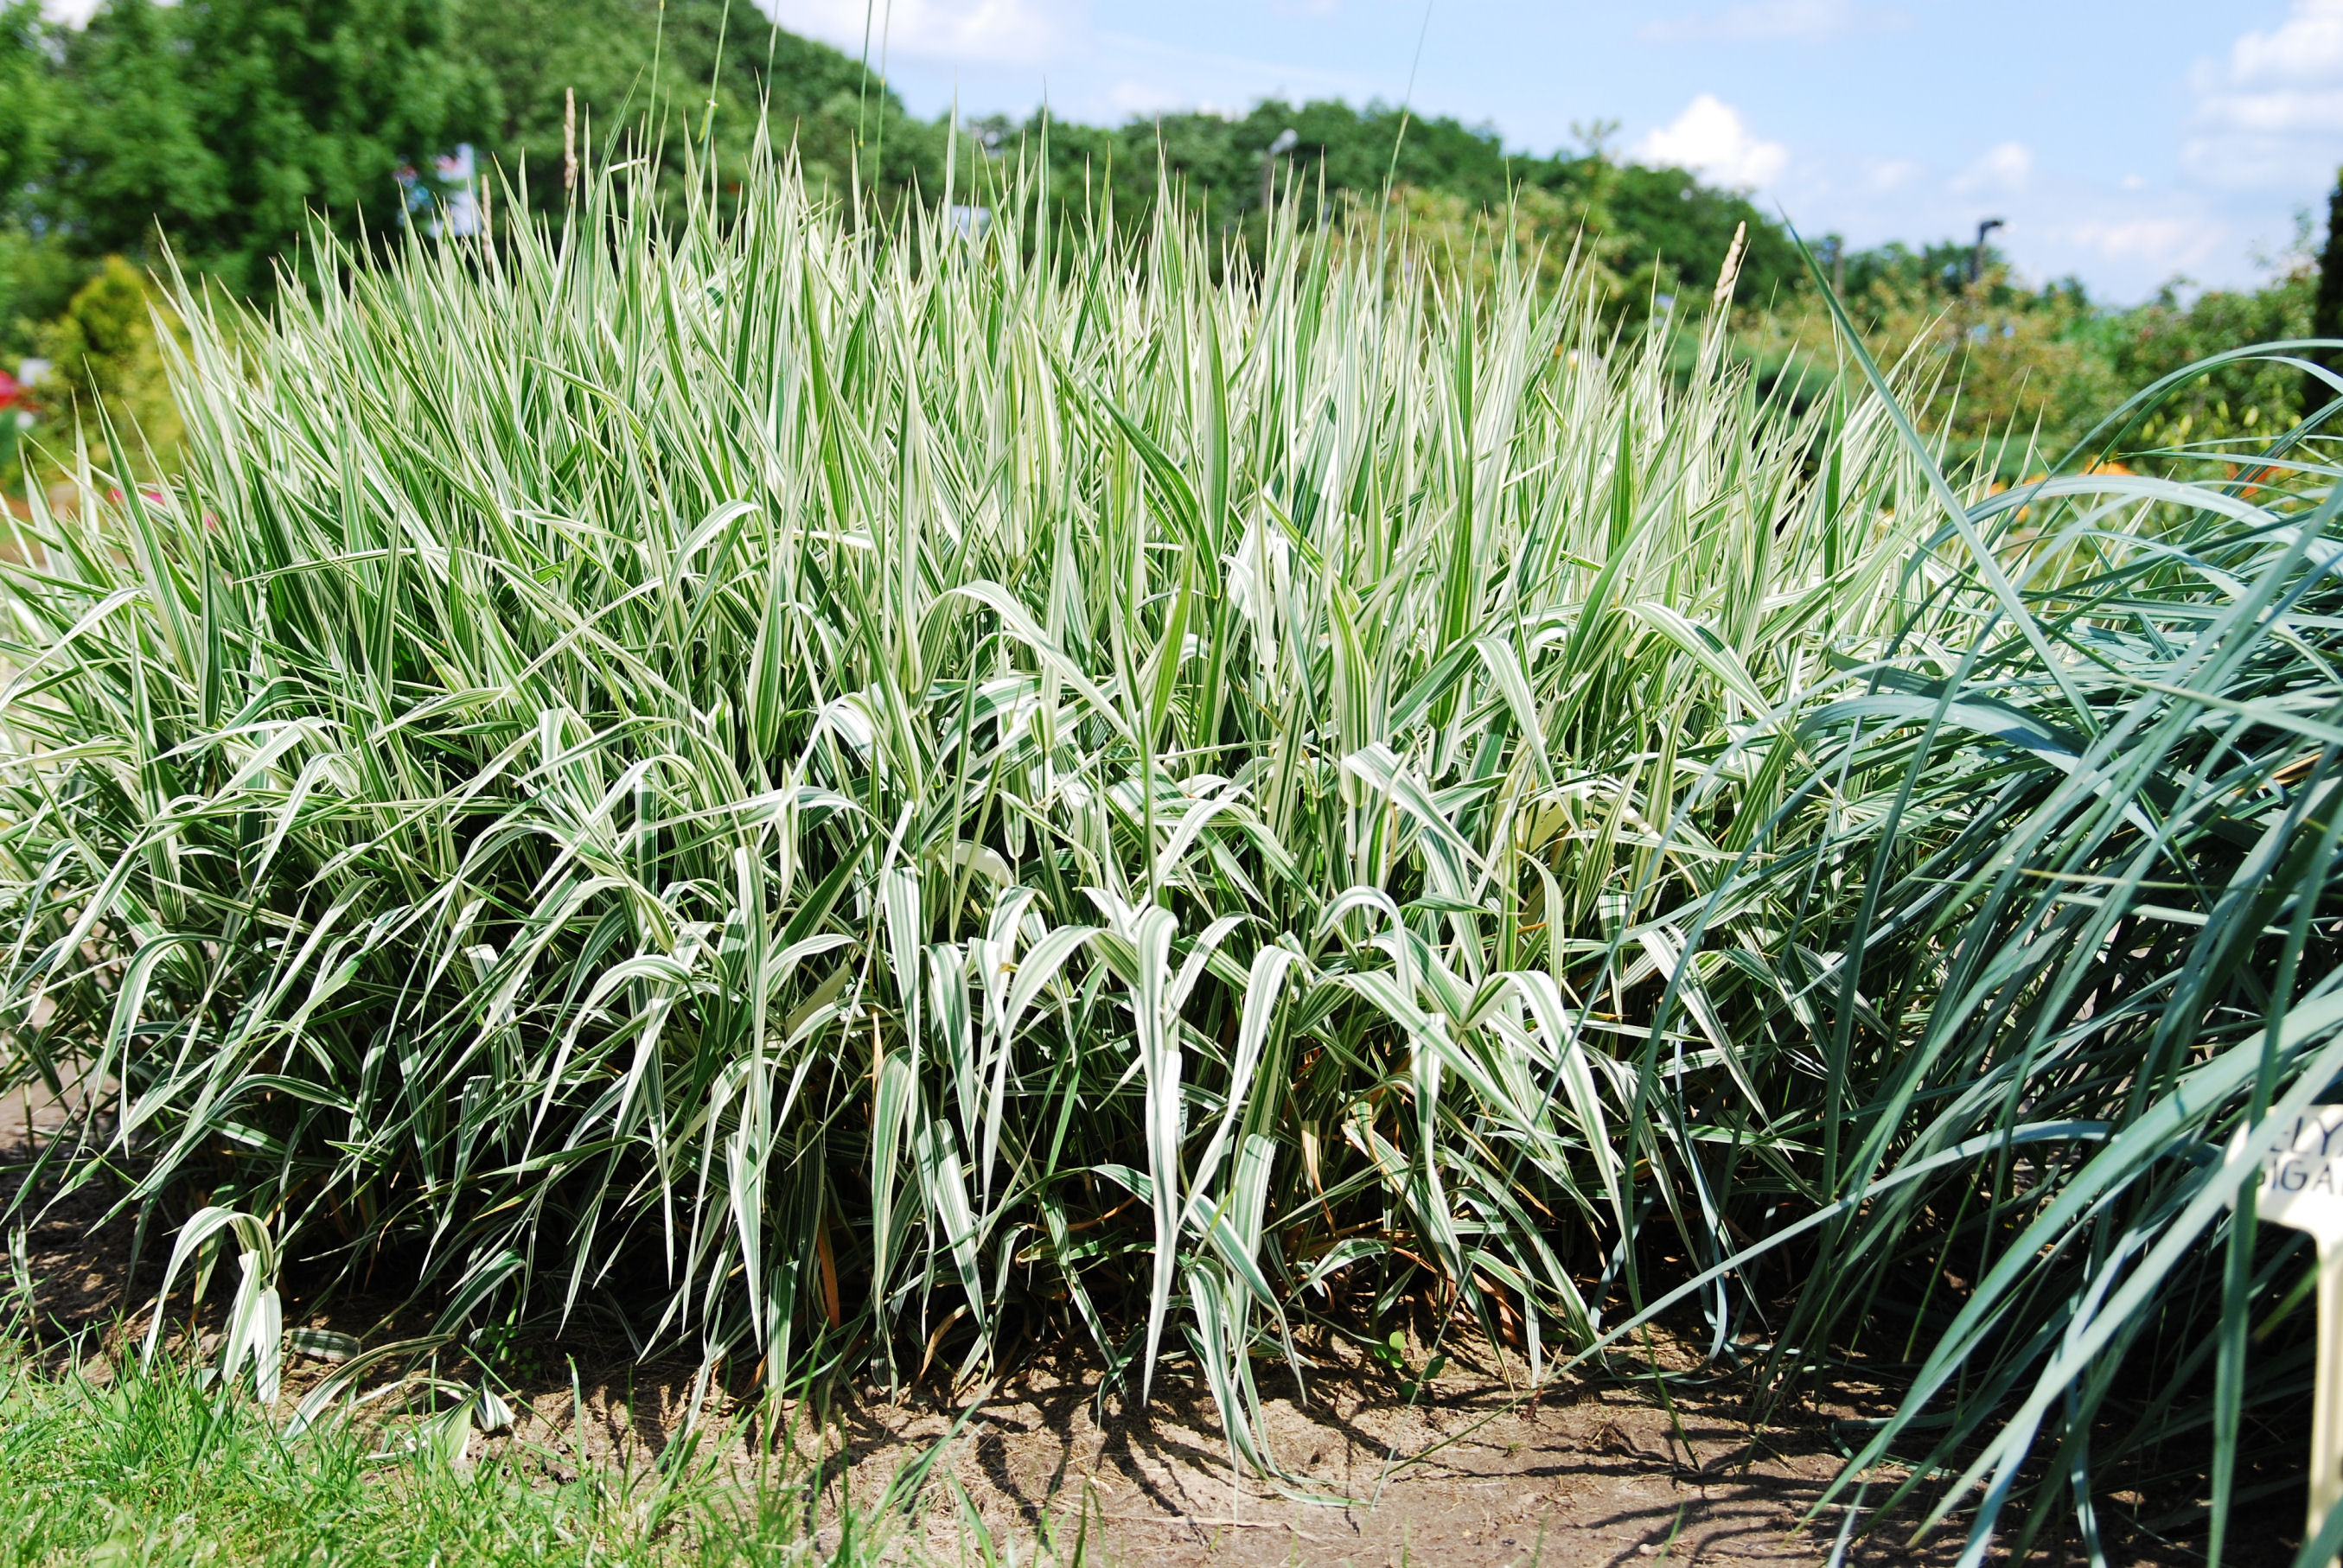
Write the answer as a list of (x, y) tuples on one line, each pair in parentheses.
[(2246, 401), (107, 360)]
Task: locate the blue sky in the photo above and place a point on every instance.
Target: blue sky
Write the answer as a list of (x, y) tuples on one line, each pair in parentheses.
[(2123, 142)]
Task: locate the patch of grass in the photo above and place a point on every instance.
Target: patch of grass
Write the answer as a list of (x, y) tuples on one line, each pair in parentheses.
[(154, 1469), (166, 1468)]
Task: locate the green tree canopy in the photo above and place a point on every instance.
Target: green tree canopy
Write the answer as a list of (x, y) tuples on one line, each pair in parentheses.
[(627, 61), (1659, 227), (1667, 216), (24, 98), (224, 123)]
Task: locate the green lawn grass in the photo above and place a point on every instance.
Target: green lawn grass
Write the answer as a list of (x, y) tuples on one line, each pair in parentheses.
[(155, 1469)]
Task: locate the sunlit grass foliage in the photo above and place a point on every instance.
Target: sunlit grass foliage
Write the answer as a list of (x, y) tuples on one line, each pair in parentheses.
[(778, 780), (857, 798)]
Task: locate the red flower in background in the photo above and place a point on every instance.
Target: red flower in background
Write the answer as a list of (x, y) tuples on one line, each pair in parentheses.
[(11, 394)]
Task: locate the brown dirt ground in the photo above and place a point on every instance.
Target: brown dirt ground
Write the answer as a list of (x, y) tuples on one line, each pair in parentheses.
[(1595, 1476), (1595, 1473)]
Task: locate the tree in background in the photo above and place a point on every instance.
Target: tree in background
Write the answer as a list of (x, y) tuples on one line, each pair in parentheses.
[(1215, 162), (2008, 374), (2247, 401), (701, 73), (220, 124), (223, 124), (24, 98), (37, 271), (1681, 230), (1655, 228), (1537, 233), (2326, 300)]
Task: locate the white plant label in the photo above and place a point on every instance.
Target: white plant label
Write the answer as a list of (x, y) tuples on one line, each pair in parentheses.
[(2302, 1174), (2302, 1187)]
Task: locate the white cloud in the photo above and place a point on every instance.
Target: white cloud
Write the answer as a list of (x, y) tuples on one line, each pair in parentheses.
[(1711, 139), (72, 12), (2272, 114), (1803, 21), (2125, 242), (2163, 244), (1020, 30), (2006, 166), (1893, 173)]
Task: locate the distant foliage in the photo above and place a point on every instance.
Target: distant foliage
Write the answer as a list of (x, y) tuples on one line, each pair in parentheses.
[(2006, 374), (1448, 239), (1656, 229), (697, 72), (105, 354), (226, 124), (38, 274), (2249, 400), (25, 98), (1677, 229)]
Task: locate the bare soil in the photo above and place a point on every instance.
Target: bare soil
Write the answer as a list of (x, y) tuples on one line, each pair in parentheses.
[(1469, 1475)]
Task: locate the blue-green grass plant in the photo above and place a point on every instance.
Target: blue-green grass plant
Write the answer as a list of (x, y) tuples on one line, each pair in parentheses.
[(2050, 926)]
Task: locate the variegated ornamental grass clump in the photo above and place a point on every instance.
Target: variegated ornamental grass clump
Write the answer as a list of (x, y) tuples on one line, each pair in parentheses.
[(857, 797), (801, 784)]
